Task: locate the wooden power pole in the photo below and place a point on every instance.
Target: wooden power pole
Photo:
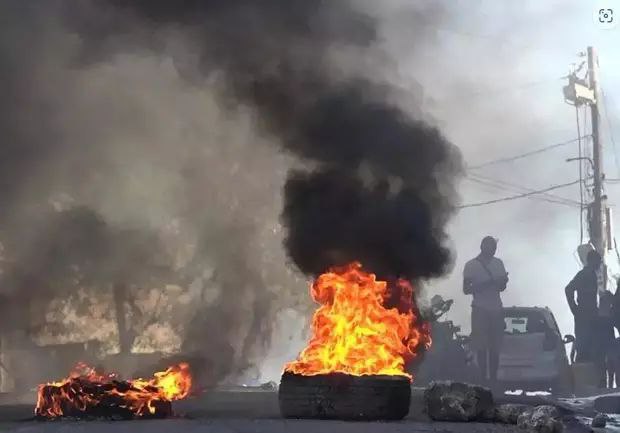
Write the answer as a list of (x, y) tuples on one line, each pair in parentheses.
[(597, 231), (579, 92)]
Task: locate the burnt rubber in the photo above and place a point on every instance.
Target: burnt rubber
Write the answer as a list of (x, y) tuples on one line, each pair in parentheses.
[(345, 397), (97, 400)]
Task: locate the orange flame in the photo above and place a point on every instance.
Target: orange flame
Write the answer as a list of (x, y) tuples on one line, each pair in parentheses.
[(86, 390), (354, 332)]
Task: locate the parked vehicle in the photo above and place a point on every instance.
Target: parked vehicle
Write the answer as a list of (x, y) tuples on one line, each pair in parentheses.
[(533, 355)]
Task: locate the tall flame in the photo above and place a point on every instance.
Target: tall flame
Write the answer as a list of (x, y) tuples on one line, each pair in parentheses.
[(85, 389), (354, 331)]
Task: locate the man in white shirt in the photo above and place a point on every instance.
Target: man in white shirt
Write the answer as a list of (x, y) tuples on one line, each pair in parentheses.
[(485, 278)]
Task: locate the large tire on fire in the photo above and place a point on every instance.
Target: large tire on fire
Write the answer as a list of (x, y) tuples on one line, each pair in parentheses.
[(345, 397)]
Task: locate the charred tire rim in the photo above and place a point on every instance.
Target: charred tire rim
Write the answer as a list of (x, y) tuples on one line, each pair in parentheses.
[(346, 397)]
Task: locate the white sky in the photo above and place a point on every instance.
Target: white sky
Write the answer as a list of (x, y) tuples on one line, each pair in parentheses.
[(492, 81)]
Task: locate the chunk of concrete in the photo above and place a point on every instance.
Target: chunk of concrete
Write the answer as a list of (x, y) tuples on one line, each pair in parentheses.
[(509, 413), (269, 386), (454, 401), (599, 421), (541, 419)]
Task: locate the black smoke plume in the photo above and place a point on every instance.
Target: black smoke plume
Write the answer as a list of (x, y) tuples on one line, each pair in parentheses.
[(275, 56)]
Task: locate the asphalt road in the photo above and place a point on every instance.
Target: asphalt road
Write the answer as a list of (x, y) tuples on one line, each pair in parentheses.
[(238, 412)]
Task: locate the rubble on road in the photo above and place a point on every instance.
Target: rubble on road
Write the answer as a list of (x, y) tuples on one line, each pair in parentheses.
[(599, 421), (269, 386), (541, 419), (460, 402), (509, 413), (454, 401)]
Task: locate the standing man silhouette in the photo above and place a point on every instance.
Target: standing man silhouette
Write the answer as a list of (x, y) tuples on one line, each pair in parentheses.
[(485, 277), (585, 308)]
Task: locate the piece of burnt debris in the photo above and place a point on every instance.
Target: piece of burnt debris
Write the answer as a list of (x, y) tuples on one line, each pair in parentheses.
[(509, 413), (454, 401), (599, 420), (541, 419), (345, 397)]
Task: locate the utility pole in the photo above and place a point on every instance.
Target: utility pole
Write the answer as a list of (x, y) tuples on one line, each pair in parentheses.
[(579, 92), (598, 231)]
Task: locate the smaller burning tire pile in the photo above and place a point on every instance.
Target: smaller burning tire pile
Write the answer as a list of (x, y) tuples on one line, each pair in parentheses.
[(354, 365), (87, 394)]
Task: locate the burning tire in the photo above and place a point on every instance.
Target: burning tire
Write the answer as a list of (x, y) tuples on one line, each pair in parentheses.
[(343, 396), (87, 393)]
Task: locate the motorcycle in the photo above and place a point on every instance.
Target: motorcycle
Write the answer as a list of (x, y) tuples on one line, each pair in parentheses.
[(449, 357)]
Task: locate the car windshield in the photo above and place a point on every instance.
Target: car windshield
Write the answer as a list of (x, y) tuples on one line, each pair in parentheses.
[(524, 323)]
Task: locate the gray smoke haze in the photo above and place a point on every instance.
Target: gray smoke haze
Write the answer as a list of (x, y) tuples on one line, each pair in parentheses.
[(128, 147), (129, 113), (154, 130)]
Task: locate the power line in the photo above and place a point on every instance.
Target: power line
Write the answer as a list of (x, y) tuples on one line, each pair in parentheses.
[(559, 201), (518, 188), (510, 187), (515, 197), (523, 155), (611, 133), (512, 88)]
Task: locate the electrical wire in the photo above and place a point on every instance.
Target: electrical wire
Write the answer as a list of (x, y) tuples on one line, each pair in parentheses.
[(510, 187), (523, 155), (518, 196), (552, 201), (502, 185), (522, 86), (611, 133), (546, 200)]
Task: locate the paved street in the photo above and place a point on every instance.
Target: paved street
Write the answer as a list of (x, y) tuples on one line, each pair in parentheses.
[(257, 426), (238, 412)]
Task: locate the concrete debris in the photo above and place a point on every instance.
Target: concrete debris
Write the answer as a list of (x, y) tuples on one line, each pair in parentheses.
[(454, 401), (599, 421), (541, 419), (269, 386), (509, 413)]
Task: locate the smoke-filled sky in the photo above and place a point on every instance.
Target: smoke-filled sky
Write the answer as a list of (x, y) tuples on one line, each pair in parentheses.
[(120, 116), (493, 80)]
